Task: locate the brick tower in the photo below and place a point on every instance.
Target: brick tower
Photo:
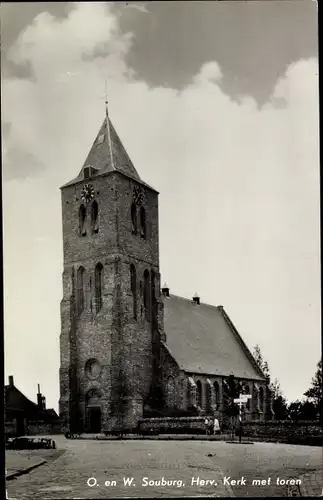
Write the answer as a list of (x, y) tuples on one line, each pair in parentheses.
[(111, 307)]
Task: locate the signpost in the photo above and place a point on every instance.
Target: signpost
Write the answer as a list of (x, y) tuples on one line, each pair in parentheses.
[(242, 399)]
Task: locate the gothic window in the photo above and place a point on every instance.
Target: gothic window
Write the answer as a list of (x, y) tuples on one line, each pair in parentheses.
[(134, 218), (199, 393), (191, 392), (261, 399), (216, 393), (133, 282), (82, 216), (146, 294), (208, 394), (142, 223), (171, 394), (153, 297), (80, 290), (95, 217), (98, 286)]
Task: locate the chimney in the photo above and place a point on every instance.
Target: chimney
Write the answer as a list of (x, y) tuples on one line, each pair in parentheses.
[(39, 399), (43, 403), (11, 381), (196, 299), (165, 290)]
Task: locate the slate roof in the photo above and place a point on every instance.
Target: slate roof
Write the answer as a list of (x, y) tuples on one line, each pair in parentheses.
[(202, 339), (99, 156)]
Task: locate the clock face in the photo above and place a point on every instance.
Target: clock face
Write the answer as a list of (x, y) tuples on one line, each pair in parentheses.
[(87, 193), (138, 195)]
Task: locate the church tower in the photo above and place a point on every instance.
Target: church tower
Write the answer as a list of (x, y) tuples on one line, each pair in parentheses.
[(111, 283)]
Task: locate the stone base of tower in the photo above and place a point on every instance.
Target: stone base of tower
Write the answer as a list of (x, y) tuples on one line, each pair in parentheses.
[(127, 421), (64, 416)]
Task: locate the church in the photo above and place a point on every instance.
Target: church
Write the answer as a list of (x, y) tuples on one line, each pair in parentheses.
[(127, 343)]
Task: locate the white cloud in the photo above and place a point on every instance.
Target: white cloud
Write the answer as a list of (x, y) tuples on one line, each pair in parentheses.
[(136, 6), (239, 190)]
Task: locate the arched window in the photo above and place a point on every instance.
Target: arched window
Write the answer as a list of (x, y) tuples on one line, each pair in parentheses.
[(191, 392), (146, 295), (98, 286), (95, 217), (80, 290), (208, 394), (134, 218), (216, 394), (133, 283), (199, 393), (82, 216), (142, 223), (153, 296), (261, 399), (171, 394), (247, 391)]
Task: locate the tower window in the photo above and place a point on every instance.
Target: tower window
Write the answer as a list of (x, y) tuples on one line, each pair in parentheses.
[(82, 216), (95, 217), (80, 290), (153, 298), (87, 172), (146, 294), (98, 286), (142, 223), (134, 218), (133, 283)]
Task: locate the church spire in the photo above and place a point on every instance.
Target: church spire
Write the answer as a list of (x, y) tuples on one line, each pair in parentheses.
[(108, 124)]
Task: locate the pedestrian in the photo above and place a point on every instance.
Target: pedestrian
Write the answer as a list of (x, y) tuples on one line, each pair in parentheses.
[(210, 426), (216, 426), (206, 423)]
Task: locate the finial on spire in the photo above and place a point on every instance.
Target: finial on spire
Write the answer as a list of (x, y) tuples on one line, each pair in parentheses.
[(108, 122), (106, 96)]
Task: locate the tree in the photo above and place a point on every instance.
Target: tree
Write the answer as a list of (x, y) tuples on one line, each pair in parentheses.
[(295, 410), (302, 410), (263, 365), (314, 393), (231, 390), (279, 403)]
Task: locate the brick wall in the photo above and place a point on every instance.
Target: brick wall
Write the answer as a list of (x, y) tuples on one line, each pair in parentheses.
[(112, 336), (182, 425), (39, 427), (300, 432)]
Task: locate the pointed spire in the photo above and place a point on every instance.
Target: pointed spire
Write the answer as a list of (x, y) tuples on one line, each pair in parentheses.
[(108, 123)]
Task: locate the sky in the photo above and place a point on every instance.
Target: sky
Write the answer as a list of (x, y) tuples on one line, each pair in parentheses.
[(217, 106)]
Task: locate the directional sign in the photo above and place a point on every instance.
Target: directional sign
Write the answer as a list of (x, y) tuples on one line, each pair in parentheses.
[(245, 396), (240, 400)]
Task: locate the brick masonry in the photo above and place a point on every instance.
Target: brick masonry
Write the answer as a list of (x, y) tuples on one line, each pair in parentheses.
[(133, 366), (120, 344)]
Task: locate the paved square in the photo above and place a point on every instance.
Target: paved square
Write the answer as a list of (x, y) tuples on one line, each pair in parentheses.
[(146, 468)]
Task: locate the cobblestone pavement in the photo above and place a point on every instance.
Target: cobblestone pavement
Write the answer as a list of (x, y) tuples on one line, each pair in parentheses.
[(312, 483), (183, 462), (17, 460)]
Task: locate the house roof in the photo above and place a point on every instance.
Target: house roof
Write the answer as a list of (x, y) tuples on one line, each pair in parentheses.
[(15, 400), (101, 159), (202, 339)]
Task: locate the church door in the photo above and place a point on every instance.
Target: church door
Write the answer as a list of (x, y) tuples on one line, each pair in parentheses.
[(95, 420)]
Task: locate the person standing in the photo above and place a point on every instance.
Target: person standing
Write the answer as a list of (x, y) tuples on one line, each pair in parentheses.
[(206, 423), (216, 426)]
